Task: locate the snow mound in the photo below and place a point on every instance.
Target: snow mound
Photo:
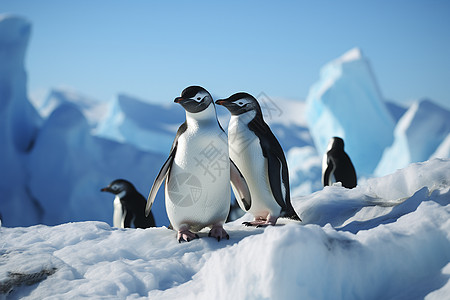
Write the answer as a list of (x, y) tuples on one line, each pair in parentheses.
[(347, 103), (418, 134), (364, 243)]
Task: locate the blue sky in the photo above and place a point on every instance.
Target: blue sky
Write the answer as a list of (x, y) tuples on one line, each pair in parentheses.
[(154, 49)]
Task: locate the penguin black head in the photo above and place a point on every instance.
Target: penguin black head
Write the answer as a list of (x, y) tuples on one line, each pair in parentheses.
[(194, 99), (240, 103), (118, 186), (336, 143)]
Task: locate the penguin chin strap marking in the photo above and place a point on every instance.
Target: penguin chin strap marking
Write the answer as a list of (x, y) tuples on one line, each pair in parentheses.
[(261, 222)]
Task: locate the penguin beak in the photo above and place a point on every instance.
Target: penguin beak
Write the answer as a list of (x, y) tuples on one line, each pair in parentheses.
[(178, 99), (220, 102), (105, 189)]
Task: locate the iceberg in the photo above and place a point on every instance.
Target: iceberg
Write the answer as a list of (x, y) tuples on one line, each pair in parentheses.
[(346, 102), (418, 134), (19, 123), (68, 166), (147, 126), (93, 110)]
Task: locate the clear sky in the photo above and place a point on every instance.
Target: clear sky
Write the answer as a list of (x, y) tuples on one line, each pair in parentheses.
[(154, 49)]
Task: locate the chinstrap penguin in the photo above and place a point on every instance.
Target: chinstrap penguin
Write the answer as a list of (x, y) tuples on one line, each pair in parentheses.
[(259, 156), (337, 166), (129, 205), (198, 171)]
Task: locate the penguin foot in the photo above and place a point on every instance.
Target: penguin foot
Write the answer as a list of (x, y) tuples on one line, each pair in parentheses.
[(218, 233), (260, 222), (186, 236)]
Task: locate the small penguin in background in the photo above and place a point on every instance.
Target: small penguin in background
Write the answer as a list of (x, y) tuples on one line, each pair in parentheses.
[(129, 205), (198, 171), (337, 166), (259, 156)]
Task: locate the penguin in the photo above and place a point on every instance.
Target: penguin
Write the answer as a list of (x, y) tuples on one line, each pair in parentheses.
[(129, 205), (198, 171), (259, 156), (337, 166)]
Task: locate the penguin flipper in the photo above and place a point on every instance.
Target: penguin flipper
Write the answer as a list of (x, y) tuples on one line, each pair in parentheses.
[(327, 172), (240, 186), (165, 169), (277, 179), (276, 161)]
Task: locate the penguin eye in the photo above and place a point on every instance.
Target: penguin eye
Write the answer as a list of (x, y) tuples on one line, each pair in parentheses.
[(198, 98)]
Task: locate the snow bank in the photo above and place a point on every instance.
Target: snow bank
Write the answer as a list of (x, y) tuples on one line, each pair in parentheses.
[(385, 248), (346, 102)]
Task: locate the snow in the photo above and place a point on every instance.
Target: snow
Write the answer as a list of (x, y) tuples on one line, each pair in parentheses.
[(364, 243), (387, 238), (346, 102), (418, 134)]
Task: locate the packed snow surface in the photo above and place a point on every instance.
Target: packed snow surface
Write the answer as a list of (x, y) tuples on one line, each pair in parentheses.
[(389, 238)]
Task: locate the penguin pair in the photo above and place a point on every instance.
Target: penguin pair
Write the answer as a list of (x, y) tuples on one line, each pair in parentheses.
[(203, 160), (129, 206), (337, 165)]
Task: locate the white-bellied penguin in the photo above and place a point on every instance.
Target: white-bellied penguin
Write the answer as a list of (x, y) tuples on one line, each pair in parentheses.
[(259, 156)]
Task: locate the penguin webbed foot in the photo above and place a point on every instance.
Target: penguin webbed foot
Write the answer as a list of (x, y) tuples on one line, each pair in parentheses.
[(261, 222), (218, 233), (186, 236)]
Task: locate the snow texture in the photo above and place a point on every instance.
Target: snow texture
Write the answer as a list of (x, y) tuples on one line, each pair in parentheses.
[(346, 102), (387, 239)]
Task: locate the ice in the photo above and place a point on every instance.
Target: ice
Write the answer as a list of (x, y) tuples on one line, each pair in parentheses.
[(389, 238), (443, 151), (147, 126), (346, 102), (418, 134), (93, 110), (19, 123), (68, 166)]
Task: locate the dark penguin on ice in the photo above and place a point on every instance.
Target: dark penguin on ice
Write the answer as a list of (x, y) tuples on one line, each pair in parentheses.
[(259, 156), (129, 205), (337, 166)]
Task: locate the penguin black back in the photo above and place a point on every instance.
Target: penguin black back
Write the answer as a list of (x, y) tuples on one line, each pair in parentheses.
[(338, 164)]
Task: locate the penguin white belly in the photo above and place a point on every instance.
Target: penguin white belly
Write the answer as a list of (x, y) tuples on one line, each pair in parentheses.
[(198, 187), (246, 153), (118, 215)]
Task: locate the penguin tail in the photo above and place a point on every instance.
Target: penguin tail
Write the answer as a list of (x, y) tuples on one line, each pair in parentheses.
[(291, 215)]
